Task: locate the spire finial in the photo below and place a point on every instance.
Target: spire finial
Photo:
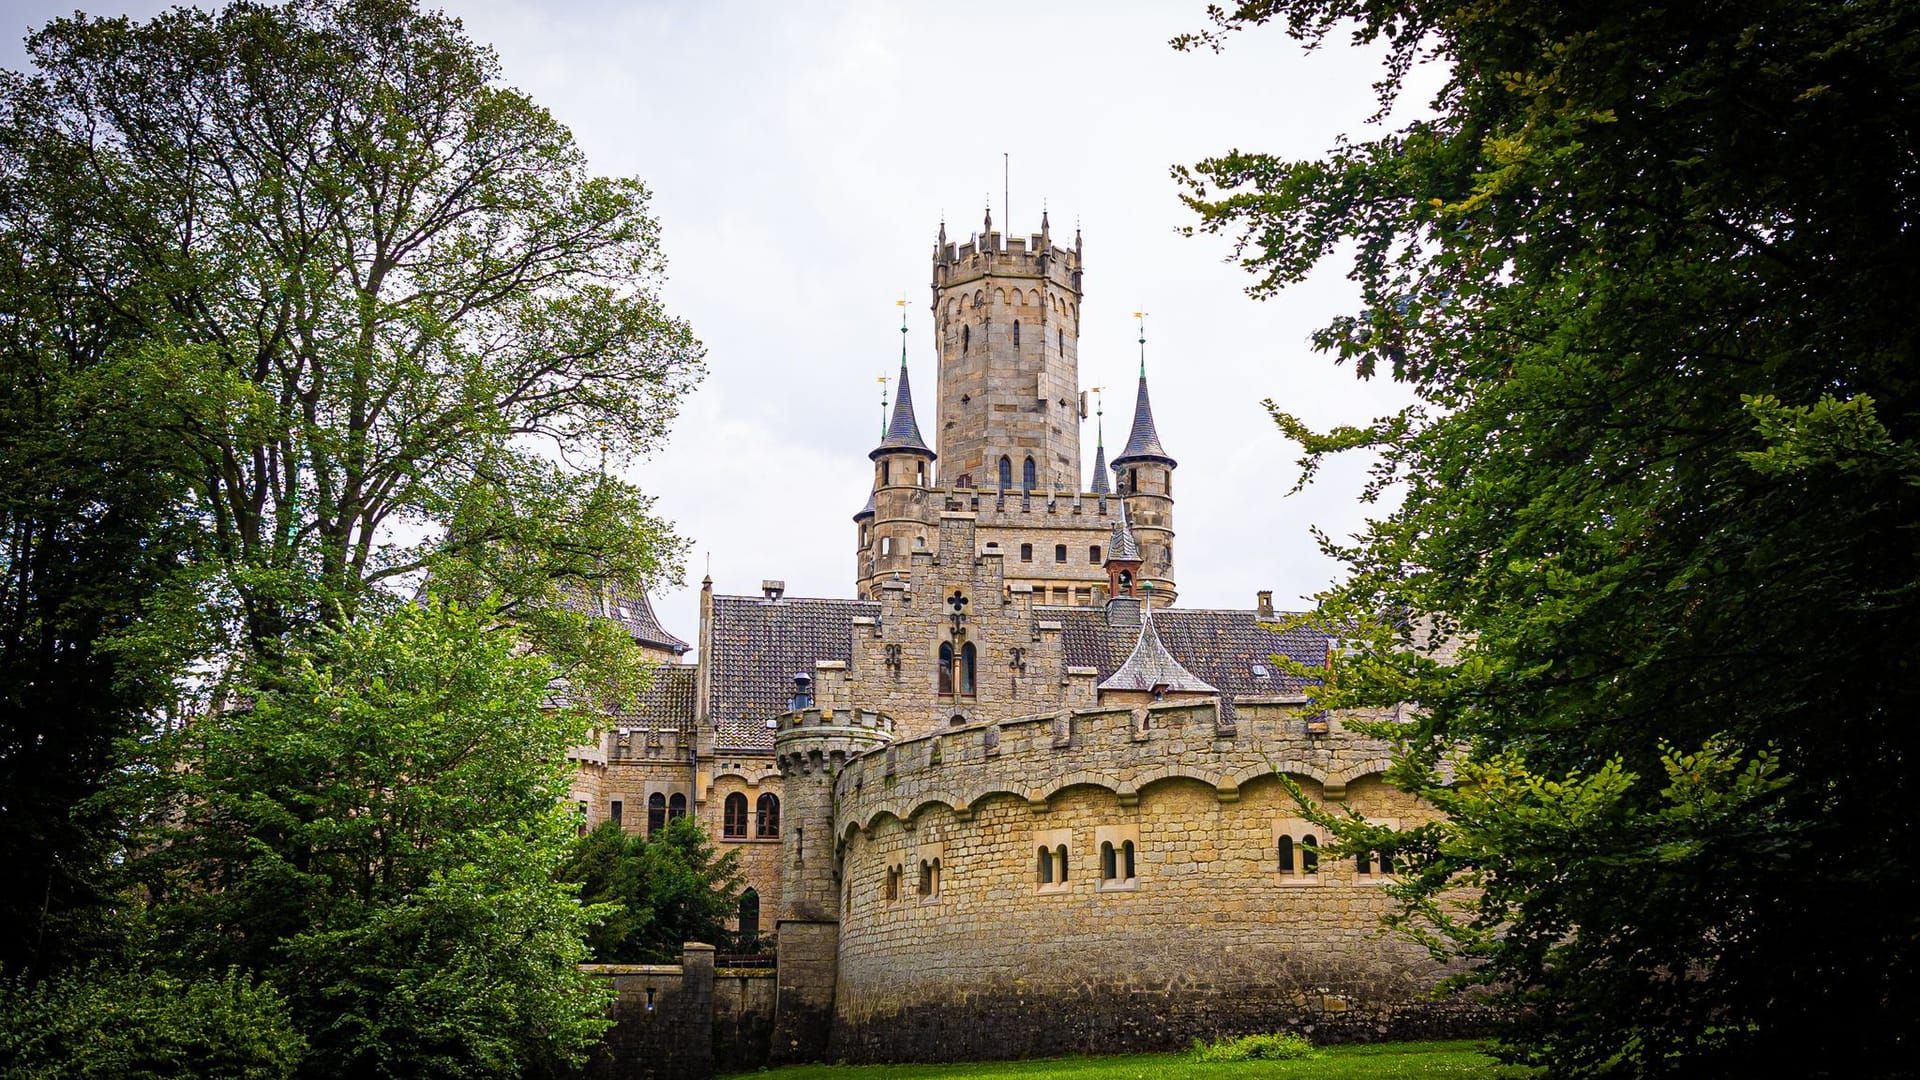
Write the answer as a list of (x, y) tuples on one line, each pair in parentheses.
[(1142, 316), (902, 432), (882, 380)]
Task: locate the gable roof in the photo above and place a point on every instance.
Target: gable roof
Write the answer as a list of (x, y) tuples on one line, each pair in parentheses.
[(1221, 648), (758, 645)]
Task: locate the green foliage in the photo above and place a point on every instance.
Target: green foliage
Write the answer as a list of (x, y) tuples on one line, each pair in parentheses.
[(1657, 495), (378, 833), (664, 890), (94, 1024), (1285, 1046), (1368, 1061)]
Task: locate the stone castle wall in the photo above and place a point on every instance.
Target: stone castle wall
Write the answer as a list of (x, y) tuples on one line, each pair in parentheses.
[(1209, 937)]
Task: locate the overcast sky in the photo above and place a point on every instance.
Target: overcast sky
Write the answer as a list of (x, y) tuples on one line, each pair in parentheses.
[(802, 156)]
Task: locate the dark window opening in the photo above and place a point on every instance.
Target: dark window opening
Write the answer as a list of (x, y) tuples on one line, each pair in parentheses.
[(1016, 333), (614, 811), (1286, 854), (945, 682), (1046, 867), (968, 668), (749, 916), (1006, 472), (1093, 554), (676, 807), (656, 813), (767, 816), (1126, 856), (734, 823), (1026, 552), (1029, 477), (1309, 855), (1109, 864), (1059, 553), (966, 338), (1060, 857)]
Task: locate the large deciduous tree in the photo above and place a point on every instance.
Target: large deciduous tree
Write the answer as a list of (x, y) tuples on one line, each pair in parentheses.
[(386, 306), (1650, 273)]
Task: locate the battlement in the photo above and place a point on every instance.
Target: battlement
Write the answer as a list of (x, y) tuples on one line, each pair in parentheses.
[(1122, 748), (994, 255)]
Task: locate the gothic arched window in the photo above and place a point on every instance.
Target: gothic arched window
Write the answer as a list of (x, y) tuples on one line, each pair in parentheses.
[(946, 669), (966, 338), (1016, 333), (1029, 478), (749, 917), (676, 807), (766, 822), (733, 824), (1006, 472), (656, 813), (968, 658)]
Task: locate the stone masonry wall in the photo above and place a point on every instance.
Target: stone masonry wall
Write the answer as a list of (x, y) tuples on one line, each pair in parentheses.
[(663, 1020), (1209, 937)]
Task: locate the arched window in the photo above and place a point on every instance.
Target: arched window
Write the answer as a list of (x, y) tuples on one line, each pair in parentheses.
[(1109, 863), (733, 825), (1126, 583), (1286, 854), (1309, 858), (1126, 857), (1060, 862), (946, 669), (1016, 333), (676, 807), (1363, 863), (1063, 341), (1006, 472), (766, 816), (894, 875), (656, 813), (749, 916), (966, 338), (1046, 867), (968, 668), (1029, 479), (929, 878), (1386, 863), (1059, 553)]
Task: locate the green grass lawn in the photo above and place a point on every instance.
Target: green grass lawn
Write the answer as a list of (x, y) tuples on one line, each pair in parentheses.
[(1376, 1061)]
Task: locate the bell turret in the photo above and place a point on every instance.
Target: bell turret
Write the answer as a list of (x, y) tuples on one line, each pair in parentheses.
[(1144, 472)]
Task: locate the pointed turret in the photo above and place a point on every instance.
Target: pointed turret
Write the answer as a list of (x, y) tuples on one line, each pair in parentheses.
[(1101, 486), (903, 431), (1121, 545), (1150, 668), (1143, 443)]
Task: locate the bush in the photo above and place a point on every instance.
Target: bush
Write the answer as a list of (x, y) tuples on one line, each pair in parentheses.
[(1279, 1047), (146, 1026)]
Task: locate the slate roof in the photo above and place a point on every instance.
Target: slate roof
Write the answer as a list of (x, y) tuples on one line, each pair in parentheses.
[(1221, 648), (628, 607), (1143, 443), (1149, 667), (870, 509), (904, 432), (666, 702), (758, 646), (1121, 544), (1100, 483)]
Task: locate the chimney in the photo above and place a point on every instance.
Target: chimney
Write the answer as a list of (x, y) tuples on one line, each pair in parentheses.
[(802, 691), (1265, 605), (773, 590)]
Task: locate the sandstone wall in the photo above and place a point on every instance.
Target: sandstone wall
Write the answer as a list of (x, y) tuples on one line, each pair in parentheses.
[(1208, 937)]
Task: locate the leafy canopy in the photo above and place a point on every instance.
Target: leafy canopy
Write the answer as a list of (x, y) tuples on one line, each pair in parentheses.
[(1649, 273), (663, 890)]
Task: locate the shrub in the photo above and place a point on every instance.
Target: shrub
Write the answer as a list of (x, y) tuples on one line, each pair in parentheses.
[(1277, 1047), (146, 1026)]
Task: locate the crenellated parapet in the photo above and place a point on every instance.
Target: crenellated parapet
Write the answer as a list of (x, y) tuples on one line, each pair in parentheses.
[(1122, 749), (811, 740)]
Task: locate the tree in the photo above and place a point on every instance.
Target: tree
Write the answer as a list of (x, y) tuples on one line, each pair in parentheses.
[(377, 835), (1647, 271), (663, 890), (385, 299)]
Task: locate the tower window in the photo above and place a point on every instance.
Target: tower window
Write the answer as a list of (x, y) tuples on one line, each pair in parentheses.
[(1093, 554), (613, 811), (1026, 552), (1006, 472), (1016, 333), (945, 680), (656, 813), (966, 339), (1063, 342), (885, 474), (1029, 477), (767, 817), (1059, 553), (733, 824), (920, 474), (968, 668)]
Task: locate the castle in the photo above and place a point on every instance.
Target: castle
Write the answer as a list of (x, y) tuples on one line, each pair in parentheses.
[(1010, 800)]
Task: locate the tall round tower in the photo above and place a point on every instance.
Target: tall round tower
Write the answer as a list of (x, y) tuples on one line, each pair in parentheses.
[(812, 745), (1007, 315), (1144, 473)]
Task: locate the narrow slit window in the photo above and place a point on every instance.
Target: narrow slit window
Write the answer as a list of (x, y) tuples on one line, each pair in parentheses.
[(1016, 333), (945, 677), (1046, 867), (968, 668)]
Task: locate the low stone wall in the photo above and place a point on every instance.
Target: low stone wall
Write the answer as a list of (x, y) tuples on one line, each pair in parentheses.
[(684, 1021), (743, 1000)]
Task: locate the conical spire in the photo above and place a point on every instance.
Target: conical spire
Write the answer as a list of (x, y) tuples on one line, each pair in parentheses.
[(1100, 483), (870, 509), (1150, 667), (1143, 443), (903, 433), (1121, 545)]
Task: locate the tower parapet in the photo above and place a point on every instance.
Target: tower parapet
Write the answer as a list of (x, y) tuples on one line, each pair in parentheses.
[(1007, 320)]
